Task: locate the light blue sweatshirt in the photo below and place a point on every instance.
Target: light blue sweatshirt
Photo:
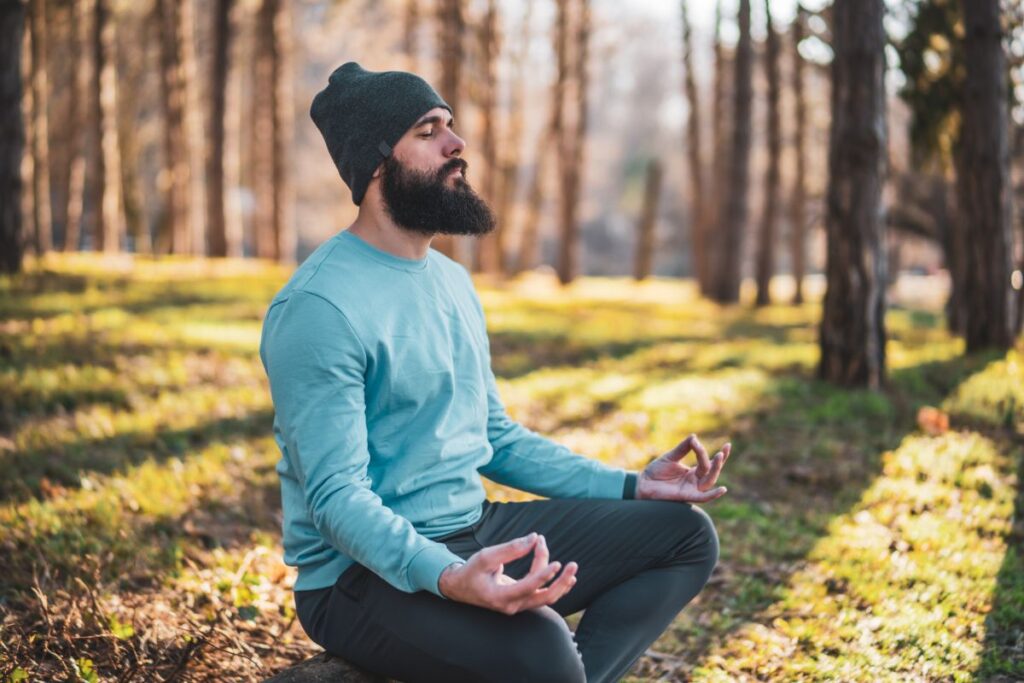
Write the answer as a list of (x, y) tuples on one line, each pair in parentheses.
[(387, 413)]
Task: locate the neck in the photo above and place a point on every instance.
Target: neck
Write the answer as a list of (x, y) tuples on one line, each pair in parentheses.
[(374, 225)]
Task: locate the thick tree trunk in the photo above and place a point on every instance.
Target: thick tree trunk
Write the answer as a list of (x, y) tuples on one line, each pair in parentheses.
[(110, 223), (216, 223), (134, 68), (42, 236), (798, 200), (12, 132), (853, 321), (174, 233), (699, 205), (451, 25), (984, 181), (648, 217), (766, 237), (734, 194), (572, 148)]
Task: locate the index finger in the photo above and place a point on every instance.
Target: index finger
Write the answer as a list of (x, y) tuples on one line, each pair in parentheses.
[(703, 462)]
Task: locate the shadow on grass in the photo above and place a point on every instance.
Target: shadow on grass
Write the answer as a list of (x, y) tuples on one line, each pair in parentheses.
[(805, 460), (26, 473)]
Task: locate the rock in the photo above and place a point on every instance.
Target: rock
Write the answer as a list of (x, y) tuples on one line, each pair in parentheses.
[(325, 668)]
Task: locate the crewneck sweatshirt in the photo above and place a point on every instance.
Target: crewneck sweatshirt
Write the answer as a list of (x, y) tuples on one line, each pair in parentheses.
[(386, 412)]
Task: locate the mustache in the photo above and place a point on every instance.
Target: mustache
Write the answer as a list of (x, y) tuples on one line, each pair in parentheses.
[(451, 165)]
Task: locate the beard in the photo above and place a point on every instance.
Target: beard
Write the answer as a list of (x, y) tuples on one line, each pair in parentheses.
[(427, 204)]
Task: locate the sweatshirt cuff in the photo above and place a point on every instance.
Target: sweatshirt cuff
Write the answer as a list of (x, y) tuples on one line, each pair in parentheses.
[(629, 486), (427, 565)]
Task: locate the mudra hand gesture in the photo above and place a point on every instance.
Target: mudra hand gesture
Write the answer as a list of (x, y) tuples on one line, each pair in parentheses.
[(668, 479)]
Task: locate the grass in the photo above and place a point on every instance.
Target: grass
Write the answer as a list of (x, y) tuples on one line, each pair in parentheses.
[(863, 539)]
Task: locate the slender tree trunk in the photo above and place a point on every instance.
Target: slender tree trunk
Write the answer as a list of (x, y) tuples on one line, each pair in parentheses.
[(648, 216), (410, 35), (216, 224), (12, 132), (111, 217), (766, 237), (734, 208), (572, 148), (984, 180), (489, 252), (720, 152), (853, 321), (798, 200), (43, 234), (451, 28), (527, 254), (511, 144), (174, 233), (699, 219), (79, 117), (232, 154), (133, 59)]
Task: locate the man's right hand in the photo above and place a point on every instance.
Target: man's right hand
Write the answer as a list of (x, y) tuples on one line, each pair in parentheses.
[(481, 581)]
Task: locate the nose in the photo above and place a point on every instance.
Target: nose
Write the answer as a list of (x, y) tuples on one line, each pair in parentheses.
[(455, 145)]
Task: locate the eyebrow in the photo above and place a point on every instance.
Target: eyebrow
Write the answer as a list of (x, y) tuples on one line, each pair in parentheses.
[(433, 119)]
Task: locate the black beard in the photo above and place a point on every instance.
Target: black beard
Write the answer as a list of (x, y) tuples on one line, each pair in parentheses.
[(426, 204)]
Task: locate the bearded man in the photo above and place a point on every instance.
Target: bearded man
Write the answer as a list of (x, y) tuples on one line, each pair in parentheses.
[(387, 414)]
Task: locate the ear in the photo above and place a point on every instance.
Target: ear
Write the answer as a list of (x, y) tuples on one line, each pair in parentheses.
[(377, 171)]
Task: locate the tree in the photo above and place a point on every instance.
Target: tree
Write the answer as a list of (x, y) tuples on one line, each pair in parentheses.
[(12, 132), (798, 200), (983, 180), (451, 24), (852, 334), (42, 235), (489, 249), (648, 216), (110, 219), (79, 117), (733, 211), (766, 237), (216, 222), (699, 219)]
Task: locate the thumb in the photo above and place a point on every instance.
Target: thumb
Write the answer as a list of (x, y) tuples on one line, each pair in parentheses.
[(493, 557), (708, 496)]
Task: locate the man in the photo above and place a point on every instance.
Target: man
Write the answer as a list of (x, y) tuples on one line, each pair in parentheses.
[(387, 413)]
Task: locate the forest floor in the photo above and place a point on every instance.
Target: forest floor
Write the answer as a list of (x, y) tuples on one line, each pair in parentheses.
[(865, 536)]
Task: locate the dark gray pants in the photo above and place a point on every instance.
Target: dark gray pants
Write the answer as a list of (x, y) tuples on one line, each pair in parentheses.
[(640, 562)]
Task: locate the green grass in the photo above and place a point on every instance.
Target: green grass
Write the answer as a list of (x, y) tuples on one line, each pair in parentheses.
[(139, 503)]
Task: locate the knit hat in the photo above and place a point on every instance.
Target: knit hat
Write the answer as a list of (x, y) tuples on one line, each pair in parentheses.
[(362, 115)]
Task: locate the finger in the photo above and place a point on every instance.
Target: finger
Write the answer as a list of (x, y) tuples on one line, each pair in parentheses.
[(493, 556), (727, 449), (540, 554), (524, 588), (708, 496), (558, 588), (703, 463), (681, 449), (716, 469)]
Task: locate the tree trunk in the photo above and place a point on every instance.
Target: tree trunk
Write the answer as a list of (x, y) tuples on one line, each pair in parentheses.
[(134, 64), (766, 237), (174, 233), (12, 132), (42, 237), (572, 147), (410, 35), (110, 223), (648, 216), (451, 27), (216, 223), (983, 181), (798, 200), (699, 219), (720, 152), (734, 194), (853, 321), (488, 249), (79, 118)]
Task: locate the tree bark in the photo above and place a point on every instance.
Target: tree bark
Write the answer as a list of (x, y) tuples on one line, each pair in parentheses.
[(648, 217), (489, 249), (79, 120), (734, 194), (798, 200), (766, 236), (719, 154), (699, 205), (12, 132), (451, 25), (174, 233), (42, 236), (216, 223), (852, 335), (110, 223), (410, 35), (983, 181)]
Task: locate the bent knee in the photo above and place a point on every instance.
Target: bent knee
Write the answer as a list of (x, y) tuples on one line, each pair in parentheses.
[(543, 650)]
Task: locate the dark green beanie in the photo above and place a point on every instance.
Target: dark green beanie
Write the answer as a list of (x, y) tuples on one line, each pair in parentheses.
[(363, 114)]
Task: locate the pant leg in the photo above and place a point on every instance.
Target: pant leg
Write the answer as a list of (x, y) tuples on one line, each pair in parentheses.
[(640, 562), (422, 637)]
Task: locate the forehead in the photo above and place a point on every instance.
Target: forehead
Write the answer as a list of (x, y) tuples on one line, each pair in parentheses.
[(435, 115)]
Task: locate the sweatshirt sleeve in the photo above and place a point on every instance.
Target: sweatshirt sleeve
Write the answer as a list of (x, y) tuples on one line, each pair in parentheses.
[(316, 366), (530, 462)]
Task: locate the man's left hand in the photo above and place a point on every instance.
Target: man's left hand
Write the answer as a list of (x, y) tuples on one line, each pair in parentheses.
[(668, 479)]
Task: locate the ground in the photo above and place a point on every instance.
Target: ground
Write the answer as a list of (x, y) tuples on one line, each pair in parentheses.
[(866, 536)]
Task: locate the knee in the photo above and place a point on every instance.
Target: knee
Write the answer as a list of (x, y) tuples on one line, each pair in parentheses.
[(698, 542), (707, 537), (543, 650)]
